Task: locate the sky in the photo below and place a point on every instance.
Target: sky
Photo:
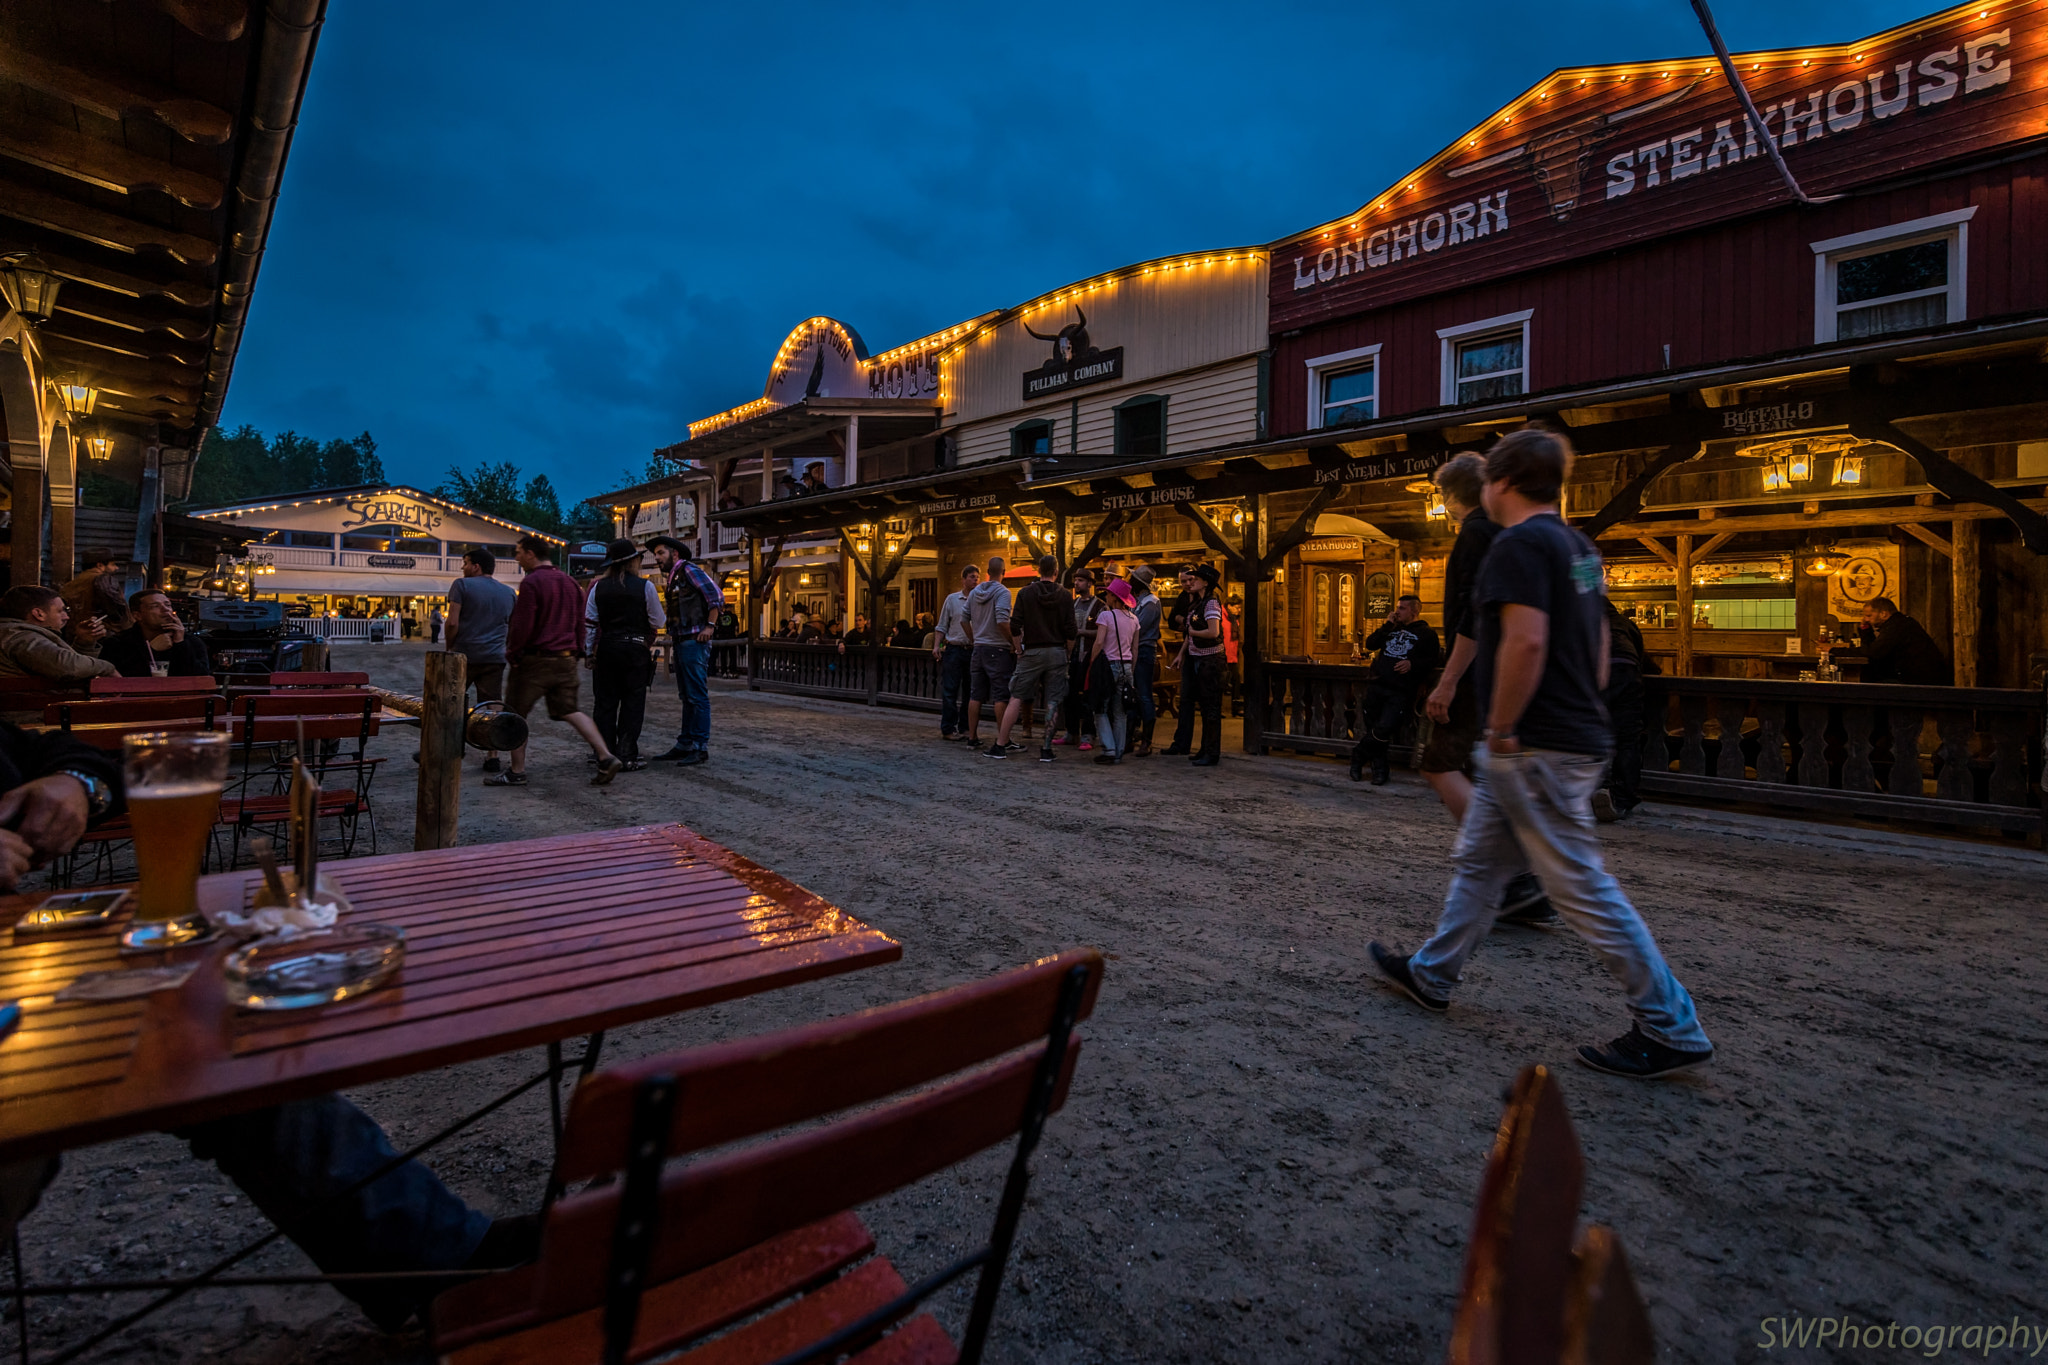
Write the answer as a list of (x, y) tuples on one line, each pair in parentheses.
[(556, 236)]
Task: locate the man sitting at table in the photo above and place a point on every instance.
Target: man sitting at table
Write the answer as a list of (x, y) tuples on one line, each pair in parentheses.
[(33, 643), (156, 641), (295, 1160), (1898, 649)]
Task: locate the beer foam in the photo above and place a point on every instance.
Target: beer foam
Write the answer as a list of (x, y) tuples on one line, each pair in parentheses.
[(171, 791)]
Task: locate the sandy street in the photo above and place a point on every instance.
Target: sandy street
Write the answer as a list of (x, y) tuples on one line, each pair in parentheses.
[(1267, 1156)]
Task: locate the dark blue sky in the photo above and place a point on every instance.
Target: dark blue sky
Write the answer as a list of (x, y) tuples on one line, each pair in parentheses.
[(555, 235)]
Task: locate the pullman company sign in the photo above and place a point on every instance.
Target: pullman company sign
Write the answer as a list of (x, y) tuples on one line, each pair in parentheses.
[(1075, 361)]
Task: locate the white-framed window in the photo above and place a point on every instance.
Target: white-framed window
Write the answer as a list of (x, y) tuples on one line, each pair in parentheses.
[(1344, 387), (1892, 279), (1486, 359)]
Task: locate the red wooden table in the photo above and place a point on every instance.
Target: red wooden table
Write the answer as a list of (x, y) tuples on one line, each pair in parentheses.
[(507, 946)]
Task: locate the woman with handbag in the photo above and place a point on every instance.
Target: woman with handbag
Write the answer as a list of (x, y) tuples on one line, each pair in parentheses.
[(1112, 686)]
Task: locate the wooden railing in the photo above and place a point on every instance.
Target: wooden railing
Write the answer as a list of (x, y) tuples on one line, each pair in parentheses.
[(1954, 755), (883, 677), (1315, 708)]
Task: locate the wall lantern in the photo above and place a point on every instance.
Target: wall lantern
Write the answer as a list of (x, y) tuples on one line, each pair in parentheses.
[(864, 545), (803, 580), (78, 397), (1776, 477), (1826, 562), (894, 546), (1799, 465), (30, 286), (99, 445), (1848, 472), (1414, 567), (1433, 508)]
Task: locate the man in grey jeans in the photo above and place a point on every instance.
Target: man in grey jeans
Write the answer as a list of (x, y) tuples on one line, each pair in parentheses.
[(1541, 664)]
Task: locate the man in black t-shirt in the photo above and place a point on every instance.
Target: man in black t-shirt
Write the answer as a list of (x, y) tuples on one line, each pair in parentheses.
[(1541, 661), (1408, 649)]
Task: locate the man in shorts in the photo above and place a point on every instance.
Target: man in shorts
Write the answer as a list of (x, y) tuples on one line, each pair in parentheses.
[(1042, 620), (1453, 705), (479, 606), (994, 657), (544, 640)]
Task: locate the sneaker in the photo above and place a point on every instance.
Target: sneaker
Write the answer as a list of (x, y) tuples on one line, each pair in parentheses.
[(995, 751), (693, 758), (492, 765), (678, 752), (1013, 747), (1604, 809), (1086, 746), (1045, 755), (1171, 749), (1521, 893), (1357, 770), (506, 780), (1537, 914), (1105, 758), (1640, 1057), (1394, 967), (607, 769), (1204, 761)]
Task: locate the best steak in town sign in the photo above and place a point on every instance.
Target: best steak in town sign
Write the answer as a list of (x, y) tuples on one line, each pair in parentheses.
[(1593, 158)]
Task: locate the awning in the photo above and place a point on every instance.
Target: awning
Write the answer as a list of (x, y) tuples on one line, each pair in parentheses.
[(977, 488)]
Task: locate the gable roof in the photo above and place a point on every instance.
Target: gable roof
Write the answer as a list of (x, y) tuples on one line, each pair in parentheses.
[(315, 496)]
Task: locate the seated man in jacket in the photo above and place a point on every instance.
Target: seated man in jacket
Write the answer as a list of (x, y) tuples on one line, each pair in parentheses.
[(1898, 649), (32, 642), (296, 1161), (156, 641)]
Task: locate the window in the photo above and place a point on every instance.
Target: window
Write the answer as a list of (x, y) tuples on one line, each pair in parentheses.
[(376, 539), (312, 540), (1030, 438), (1141, 426), (416, 545), (1893, 279), (1487, 360), (1343, 388)]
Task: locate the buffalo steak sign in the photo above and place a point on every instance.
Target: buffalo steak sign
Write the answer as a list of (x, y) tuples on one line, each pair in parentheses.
[(1594, 159)]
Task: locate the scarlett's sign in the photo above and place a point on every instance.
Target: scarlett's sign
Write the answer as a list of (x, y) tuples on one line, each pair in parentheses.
[(390, 512), (1075, 361)]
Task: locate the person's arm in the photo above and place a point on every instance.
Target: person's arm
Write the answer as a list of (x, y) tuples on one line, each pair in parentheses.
[(50, 810), (714, 597), (55, 659), (1463, 650), (1211, 626), (452, 623), (590, 623), (1378, 637), (1517, 669), (519, 625), (657, 615)]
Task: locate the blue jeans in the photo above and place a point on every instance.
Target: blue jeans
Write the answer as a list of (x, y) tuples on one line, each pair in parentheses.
[(693, 665), (1144, 672), (294, 1160), (953, 689), (1533, 812)]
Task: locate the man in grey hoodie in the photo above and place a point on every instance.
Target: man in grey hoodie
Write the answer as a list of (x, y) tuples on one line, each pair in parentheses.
[(995, 654), (32, 642)]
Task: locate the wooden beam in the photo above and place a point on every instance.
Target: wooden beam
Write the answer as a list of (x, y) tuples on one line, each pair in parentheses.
[(1628, 499), (1108, 526), (1712, 545), (217, 21), (129, 320), (1656, 547), (1213, 538), (110, 230), (185, 293), (1023, 530), (108, 165), (193, 120), (1966, 606), (1683, 563), (1927, 537), (1869, 516), (133, 342), (1297, 531), (1948, 477)]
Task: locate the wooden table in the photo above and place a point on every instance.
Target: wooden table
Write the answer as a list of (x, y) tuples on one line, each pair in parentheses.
[(507, 946)]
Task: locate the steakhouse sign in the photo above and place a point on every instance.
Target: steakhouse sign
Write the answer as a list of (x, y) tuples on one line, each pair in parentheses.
[(1596, 158)]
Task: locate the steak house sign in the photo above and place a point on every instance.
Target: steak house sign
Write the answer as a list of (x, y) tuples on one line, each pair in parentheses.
[(1597, 158)]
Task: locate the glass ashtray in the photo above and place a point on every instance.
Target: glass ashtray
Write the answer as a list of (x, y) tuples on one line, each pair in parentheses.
[(314, 969)]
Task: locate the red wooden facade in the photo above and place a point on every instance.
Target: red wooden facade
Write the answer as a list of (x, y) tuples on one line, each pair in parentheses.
[(1566, 204)]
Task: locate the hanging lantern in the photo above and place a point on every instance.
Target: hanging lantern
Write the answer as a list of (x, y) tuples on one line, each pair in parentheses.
[(1826, 563), (1776, 477), (77, 396), (1848, 471), (30, 286), (99, 445), (1799, 465), (864, 545)]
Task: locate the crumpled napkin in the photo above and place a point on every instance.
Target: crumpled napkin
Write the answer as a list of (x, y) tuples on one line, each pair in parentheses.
[(299, 915)]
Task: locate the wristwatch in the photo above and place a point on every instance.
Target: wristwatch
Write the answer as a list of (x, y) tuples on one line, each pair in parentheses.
[(98, 795)]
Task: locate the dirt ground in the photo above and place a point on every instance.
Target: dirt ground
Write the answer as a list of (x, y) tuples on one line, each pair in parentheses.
[(1267, 1156)]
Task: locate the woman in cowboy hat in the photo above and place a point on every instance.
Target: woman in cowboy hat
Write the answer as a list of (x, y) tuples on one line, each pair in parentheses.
[(621, 618)]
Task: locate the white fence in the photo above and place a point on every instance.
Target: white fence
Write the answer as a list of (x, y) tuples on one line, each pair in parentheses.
[(343, 627)]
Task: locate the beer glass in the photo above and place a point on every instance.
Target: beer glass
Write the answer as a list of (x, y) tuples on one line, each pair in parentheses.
[(174, 782)]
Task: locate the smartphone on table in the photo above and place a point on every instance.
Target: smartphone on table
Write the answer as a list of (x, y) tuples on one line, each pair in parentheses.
[(69, 911)]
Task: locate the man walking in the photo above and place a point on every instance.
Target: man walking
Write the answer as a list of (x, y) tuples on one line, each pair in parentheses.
[(1407, 652), (1145, 668), (543, 640), (1042, 620), (1541, 661), (952, 647), (1453, 705), (694, 601), (479, 607), (1201, 662), (995, 652)]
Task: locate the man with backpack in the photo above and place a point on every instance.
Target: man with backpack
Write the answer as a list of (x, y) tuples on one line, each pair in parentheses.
[(694, 601)]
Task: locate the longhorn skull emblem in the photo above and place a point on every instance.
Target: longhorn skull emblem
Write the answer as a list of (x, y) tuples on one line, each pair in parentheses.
[(1558, 159), (1070, 343)]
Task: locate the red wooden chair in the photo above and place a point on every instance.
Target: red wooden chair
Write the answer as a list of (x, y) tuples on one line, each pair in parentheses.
[(319, 680), (259, 795), (1529, 1296), (193, 706), (151, 687), (657, 1260)]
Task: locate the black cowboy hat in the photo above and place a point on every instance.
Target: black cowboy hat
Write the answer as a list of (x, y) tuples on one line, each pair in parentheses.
[(682, 550), (621, 552)]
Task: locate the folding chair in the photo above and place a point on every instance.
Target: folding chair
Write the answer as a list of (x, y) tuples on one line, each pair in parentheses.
[(318, 680), (121, 710), (1529, 1296), (260, 794), (657, 1260), (151, 687)]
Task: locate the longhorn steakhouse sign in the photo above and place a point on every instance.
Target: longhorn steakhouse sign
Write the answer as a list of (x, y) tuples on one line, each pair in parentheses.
[(1597, 158)]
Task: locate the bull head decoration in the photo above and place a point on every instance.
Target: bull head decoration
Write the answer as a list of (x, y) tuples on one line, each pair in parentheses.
[(1070, 343), (1558, 159)]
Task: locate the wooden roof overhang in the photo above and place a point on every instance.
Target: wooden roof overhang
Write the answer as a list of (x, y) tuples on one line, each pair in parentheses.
[(807, 427), (141, 152), (1970, 383), (979, 488)]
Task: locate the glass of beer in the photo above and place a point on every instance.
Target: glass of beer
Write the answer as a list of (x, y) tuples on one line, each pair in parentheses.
[(174, 782)]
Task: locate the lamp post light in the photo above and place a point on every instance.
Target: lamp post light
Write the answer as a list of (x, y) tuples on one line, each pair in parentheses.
[(30, 286), (78, 397)]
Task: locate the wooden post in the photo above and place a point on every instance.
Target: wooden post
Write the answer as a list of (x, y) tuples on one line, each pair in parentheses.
[(875, 585), (768, 474), (1966, 610), (440, 781), (1684, 568), (63, 484), (851, 470), (1250, 640), (26, 537), (313, 658)]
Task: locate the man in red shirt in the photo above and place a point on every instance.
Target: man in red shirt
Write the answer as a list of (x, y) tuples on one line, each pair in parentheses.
[(543, 641)]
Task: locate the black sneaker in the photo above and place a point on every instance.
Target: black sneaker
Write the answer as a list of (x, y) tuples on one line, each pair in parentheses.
[(1357, 770), (671, 756), (491, 765), (1640, 1057), (1045, 755), (1538, 914), (995, 751), (1171, 750), (1394, 967), (506, 780), (1013, 747), (692, 758), (1604, 809), (1382, 773)]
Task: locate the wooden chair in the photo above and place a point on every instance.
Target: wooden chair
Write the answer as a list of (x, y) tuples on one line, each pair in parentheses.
[(193, 706), (1529, 1295), (646, 1261), (319, 680), (151, 687), (110, 736), (259, 795)]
